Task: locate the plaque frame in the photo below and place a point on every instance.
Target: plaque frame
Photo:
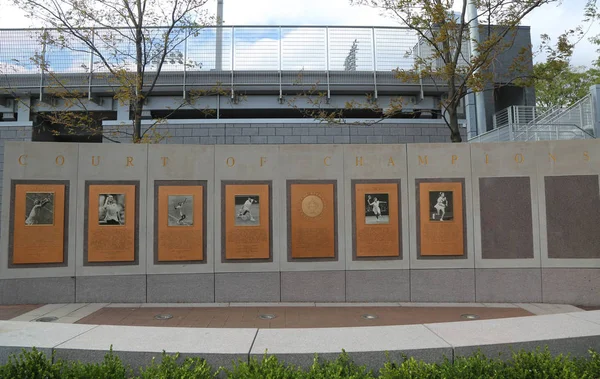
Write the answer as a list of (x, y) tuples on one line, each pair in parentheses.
[(175, 183), (288, 195), (353, 183), (224, 184), (460, 181), (11, 223), (136, 242)]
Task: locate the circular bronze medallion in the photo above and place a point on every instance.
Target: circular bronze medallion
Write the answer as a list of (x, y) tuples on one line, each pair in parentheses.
[(312, 206)]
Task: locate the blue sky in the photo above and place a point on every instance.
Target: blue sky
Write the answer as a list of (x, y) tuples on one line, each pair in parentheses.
[(549, 19)]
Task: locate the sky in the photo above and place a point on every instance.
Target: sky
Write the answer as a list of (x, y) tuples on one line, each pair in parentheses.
[(549, 19)]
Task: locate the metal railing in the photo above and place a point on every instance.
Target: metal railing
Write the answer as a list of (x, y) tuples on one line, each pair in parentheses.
[(527, 123), (245, 48)]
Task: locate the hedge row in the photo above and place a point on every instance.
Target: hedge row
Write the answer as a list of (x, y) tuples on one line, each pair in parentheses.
[(535, 365)]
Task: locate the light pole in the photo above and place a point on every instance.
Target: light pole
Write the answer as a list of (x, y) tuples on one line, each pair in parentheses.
[(474, 37), (219, 47)]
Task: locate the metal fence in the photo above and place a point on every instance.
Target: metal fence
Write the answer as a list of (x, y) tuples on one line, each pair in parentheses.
[(244, 48)]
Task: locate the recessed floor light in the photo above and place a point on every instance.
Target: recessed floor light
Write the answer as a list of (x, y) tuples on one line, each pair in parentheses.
[(163, 317), (369, 317), (266, 316), (46, 319), (470, 316)]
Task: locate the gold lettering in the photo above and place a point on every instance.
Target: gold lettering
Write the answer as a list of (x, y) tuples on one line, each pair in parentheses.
[(165, 160), (22, 160), (325, 161), (552, 157), (423, 161), (586, 156), (359, 161), (263, 160), (94, 163), (391, 162), (486, 159), (230, 162), (454, 158), (60, 160), (519, 158), (129, 162)]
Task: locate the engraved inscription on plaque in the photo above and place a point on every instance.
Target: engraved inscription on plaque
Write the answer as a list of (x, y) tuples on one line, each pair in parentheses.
[(180, 232), (39, 218), (247, 233), (312, 220), (111, 223), (377, 220), (441, 219)]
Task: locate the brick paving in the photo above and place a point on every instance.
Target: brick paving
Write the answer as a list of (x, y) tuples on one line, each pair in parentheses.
[(11, 311), (291, 317)]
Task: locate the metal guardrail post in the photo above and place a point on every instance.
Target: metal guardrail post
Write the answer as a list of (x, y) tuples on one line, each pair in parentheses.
[(185, 54), (232, 58), (42, 64), (327, 59), (280, 76), (374, 52), (91, 67)]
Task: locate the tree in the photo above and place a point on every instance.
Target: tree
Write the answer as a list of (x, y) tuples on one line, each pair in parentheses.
[(444, 36), (130, 40), (557, 82), (350, 62)]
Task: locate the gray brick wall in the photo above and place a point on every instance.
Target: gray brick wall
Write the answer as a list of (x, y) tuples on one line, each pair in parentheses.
[(299, 133)]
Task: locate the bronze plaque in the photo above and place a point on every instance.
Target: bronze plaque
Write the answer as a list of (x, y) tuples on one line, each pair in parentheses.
[(312, 220), (180, 223), (111, 223), (377, 220), (39, 224), (441, 219), (247, 221)]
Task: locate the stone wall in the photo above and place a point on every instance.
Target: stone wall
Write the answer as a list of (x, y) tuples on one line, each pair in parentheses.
[(518, 232)]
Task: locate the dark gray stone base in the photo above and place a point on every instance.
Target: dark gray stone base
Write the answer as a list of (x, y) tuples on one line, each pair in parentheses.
[(443, 285), (247, 287), (575, 286), (181, 288), (37, 290), (111, 289), (508, 285), (378, 286), (313, 286)]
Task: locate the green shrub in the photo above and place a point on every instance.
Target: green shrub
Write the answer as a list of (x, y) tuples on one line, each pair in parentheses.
[(191, 368), (30, 365), (268, 368), (540, 364)]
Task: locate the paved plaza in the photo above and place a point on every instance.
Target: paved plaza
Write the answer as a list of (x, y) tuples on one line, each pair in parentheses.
[(274, 315)]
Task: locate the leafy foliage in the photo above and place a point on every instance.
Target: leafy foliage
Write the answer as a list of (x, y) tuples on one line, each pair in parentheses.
[(130, 43), (444, 42), (539, 364)]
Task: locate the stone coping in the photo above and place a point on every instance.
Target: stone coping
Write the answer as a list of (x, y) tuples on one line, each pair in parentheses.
[(573, 333)]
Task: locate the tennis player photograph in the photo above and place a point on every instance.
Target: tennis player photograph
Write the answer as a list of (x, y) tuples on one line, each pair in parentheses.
[(181, 210), (39, 208), (247, 210), (112, 209), (441, 206), (377, 208)]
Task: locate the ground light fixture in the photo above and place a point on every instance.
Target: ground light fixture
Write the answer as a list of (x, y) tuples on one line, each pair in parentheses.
[(266, 316), (165, 316), (369, 317), (469, 316), (46, 319)]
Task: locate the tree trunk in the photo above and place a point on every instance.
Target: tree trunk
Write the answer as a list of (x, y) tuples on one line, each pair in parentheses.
[(453, 124), (137, 120)]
